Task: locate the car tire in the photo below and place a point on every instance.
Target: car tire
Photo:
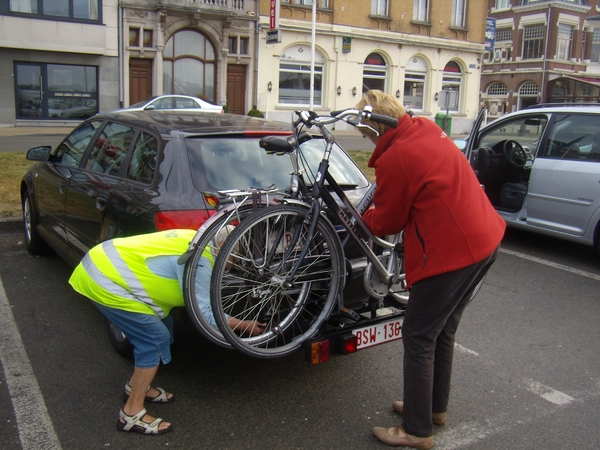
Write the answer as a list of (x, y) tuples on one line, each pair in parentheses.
[(33, 241), (118, 340)]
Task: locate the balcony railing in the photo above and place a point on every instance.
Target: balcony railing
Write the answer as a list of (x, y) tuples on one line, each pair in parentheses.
[(229, 5)]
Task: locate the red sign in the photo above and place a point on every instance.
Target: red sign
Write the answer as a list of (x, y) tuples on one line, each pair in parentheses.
[(272, 15)]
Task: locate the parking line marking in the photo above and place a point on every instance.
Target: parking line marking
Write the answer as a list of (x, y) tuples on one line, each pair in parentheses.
[(547, 393), (465, 349), (545, 262), (33, 421)]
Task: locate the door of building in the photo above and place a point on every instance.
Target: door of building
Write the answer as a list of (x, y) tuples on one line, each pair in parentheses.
[(236, 88), (140, 80)]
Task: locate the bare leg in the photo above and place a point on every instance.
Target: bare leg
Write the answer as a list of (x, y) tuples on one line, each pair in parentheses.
[(140, 381)]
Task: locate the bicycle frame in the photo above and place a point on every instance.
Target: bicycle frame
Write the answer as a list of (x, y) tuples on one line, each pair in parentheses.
[(352, 219)]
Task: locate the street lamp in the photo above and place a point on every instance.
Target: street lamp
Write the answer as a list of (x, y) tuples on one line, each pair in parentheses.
[(270, 86)]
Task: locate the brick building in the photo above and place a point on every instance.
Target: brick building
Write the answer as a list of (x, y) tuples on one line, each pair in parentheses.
[(545, 51)]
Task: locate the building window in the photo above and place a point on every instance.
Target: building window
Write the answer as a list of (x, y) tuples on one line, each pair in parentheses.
[(459, 8), (452, 81), (563, 43), (379, 7), (502, 4), (504, 35), (238, 45), (533, 41), (374, 73), (294, 76), (421, 11), (134, 37), (497, 89), (56, 9), (147, 41), (56, 91), (415, 80), (529, 93), (190, 65), (595, 53)]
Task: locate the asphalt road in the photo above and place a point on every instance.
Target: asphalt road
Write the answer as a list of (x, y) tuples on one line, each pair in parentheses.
[(527, 369)]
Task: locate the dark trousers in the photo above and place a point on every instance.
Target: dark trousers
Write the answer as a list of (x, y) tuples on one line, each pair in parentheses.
[(434, 310)]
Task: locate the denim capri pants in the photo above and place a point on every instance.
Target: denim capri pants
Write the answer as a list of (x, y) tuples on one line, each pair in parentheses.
[(150, 336)]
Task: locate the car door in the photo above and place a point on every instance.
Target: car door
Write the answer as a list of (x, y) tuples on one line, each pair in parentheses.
[(506, 180), (564, 188), (52, 181), (90, 189)]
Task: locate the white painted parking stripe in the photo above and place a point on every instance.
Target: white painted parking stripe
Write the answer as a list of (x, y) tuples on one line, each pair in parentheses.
[(33, 421), (465, 349), (547, 393), (545, 262)]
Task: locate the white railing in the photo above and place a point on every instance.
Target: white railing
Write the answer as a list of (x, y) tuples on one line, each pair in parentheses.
[(224, 4)]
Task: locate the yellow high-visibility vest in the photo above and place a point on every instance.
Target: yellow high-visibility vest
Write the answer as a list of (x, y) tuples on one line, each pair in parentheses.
[(115, 273)]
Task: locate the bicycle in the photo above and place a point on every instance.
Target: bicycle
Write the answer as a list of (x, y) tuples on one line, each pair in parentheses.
[(233, 207), (284, 266)]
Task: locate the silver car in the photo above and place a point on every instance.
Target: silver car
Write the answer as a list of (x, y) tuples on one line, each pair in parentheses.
[(178, 102), (540, 168)]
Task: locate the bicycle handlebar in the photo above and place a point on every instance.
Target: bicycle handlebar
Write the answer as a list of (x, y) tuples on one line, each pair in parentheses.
[(310, 118)]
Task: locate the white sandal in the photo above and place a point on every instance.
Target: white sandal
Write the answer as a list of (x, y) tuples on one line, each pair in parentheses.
[(160, 398), (135, 423)]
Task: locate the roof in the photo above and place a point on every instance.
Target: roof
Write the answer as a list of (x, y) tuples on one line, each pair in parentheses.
[(194, 123)]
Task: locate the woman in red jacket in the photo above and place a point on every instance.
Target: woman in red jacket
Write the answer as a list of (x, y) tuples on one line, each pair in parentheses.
[(426, 187)]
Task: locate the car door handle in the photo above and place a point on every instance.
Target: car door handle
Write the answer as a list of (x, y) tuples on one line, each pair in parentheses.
[(100, 203)]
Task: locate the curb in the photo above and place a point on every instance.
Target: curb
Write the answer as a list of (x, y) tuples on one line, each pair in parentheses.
[(11, 224)]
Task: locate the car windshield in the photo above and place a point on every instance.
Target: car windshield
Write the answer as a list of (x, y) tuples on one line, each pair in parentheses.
[(230, 163)]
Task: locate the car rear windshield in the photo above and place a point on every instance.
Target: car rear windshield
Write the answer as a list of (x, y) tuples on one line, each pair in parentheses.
[(219, 163)]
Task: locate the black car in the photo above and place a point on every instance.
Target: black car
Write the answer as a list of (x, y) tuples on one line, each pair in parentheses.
[(125, 173)]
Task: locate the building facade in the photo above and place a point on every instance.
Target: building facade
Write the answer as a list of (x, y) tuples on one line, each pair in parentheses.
[(58, 60), (410, 49), (545, 51), (64, 60)]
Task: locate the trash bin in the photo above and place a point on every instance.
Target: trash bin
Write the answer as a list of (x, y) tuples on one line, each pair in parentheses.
[(444, 121)]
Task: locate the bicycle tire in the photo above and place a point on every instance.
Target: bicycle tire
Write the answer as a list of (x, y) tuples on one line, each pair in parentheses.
[(191, 272), (251, 285)]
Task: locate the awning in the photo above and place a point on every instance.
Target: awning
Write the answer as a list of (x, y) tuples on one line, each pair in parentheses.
[(591, 81)]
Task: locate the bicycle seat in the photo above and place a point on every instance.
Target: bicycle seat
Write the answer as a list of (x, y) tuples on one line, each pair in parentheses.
[(282, 144)]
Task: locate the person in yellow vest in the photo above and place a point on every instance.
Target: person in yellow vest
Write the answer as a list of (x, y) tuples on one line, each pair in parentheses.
[(134, 282)]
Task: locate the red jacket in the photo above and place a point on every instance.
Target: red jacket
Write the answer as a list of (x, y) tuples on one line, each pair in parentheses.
[(426, 186)]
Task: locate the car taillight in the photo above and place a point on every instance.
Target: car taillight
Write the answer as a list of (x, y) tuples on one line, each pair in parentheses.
[(190, 219)]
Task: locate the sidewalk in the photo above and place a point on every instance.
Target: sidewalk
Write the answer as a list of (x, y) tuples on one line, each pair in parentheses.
[(33, 131)]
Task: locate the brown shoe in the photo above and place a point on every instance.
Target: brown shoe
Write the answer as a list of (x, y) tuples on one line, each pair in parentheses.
[(397, 436), (436, 418)]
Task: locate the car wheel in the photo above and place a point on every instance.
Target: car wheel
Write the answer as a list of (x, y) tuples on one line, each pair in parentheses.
[(33, 241), (118, 340)]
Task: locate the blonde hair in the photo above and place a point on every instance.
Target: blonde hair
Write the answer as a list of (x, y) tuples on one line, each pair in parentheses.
[(383, 104)]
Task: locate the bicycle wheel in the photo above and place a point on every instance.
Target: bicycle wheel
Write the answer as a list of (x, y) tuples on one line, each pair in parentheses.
[(252, 281), (197, 271)]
